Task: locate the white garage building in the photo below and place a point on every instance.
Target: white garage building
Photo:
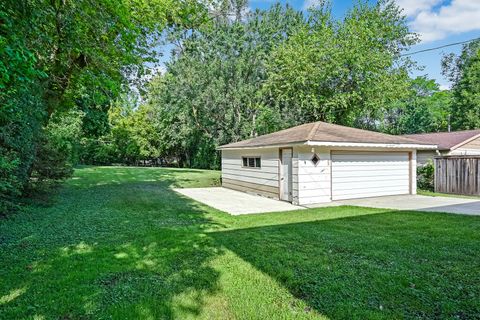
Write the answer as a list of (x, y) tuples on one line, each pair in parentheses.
[(320, 162)]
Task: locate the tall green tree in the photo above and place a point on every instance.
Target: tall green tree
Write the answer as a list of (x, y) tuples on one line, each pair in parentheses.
[(344, 71), (211, 93), (237, 78), (464, 72), (58, 54)]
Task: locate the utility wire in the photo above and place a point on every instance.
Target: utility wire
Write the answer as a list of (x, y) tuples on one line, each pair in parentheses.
[(440, 47)]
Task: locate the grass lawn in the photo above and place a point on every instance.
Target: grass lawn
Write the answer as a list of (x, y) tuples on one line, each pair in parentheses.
[(118, 243), (448, 195)]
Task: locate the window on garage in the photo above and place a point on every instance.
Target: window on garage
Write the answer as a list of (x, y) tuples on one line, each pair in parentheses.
[(252, 162)]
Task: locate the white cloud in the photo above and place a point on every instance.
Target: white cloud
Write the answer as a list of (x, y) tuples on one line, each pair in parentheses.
[(434, 23), (445, 87), (413, 7), (308, 4)]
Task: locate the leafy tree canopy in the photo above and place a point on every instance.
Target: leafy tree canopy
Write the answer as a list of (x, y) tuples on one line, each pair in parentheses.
[(464, 72), (242, 76)]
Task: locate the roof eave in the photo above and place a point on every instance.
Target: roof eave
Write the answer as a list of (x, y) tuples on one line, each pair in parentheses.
[(338, 144), (373, 145), (277, 145)]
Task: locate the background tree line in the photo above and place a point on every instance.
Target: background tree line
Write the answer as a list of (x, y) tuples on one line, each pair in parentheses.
[(67, 70)]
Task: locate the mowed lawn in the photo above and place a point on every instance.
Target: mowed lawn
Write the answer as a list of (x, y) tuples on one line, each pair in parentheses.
[(118, 243)]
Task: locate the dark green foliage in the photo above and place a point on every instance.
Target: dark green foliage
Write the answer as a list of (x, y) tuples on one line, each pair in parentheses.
[(51, 163), (97, 151), (57, 56), (21, 109), (57, 150), (425, 109), (426, 176)]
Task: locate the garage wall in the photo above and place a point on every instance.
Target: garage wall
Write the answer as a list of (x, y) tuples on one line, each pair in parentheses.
[(312, 182), (262, 181), (424, 155), (413, 172)]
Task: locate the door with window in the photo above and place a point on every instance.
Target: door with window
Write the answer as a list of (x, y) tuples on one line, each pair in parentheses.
[(286, 174)]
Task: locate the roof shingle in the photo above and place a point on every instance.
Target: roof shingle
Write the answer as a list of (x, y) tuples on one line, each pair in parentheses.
[(445, 140), (321, 132)]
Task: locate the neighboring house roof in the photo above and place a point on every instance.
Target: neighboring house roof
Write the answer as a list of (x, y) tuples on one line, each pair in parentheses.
[(446, 140), (322, 133)]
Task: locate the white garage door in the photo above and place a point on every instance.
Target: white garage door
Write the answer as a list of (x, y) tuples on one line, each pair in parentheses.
[(369, 174)]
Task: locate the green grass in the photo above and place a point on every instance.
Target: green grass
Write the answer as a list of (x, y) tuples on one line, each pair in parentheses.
[(119, 243), (448, 195)]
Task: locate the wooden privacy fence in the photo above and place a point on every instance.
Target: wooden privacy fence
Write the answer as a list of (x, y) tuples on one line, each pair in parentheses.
[(457, 175)]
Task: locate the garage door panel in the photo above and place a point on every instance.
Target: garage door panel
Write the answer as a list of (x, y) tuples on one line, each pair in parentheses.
[(370, 165), (368, 158), (369, 174), (368, 184), (376, 193)]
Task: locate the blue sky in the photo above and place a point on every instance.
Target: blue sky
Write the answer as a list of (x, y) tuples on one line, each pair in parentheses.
[(438, 22)]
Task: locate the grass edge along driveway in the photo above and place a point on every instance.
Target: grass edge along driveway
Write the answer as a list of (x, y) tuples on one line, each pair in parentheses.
[(118, 243)]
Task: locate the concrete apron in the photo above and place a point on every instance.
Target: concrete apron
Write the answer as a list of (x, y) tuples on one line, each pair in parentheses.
[(236, 202)]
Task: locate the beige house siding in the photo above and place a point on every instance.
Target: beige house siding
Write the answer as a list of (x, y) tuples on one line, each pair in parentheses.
[(262, 181), (424, 155), (469, 148)]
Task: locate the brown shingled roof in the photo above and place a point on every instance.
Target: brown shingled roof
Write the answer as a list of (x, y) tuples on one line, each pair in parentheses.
[(321, 132), (445, 140)]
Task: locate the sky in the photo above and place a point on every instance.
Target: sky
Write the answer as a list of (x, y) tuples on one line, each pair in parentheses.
[(438, 22)]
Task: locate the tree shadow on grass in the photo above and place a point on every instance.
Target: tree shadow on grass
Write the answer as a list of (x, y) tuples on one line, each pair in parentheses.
[(386, 265), (126, 249)]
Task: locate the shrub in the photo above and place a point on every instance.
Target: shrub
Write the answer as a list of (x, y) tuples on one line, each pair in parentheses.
[(425, 176)]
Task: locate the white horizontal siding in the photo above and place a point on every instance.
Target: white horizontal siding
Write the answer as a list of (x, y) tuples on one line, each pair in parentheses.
[(295, 199), (313, 180), (260, 174), (270, 169), (267, 175), (369, 174), (256, 180)]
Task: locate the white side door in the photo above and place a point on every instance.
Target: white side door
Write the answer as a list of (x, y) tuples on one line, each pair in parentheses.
[(286, 174)]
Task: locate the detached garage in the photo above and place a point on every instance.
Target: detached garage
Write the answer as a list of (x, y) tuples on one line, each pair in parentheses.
[(320, 162)]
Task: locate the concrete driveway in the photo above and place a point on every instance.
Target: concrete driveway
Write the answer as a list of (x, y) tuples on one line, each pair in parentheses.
[(236, 202), (419, 203)]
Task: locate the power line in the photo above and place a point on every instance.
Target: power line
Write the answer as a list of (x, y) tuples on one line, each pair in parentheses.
[(440, 47)]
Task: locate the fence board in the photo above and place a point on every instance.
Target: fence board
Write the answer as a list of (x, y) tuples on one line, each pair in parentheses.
[(457, 175)]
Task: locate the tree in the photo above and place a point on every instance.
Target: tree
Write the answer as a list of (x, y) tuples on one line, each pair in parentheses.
[(464, 72), (58, 54), (211, 93), (342, 71), (425, 109), (237, 78)]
